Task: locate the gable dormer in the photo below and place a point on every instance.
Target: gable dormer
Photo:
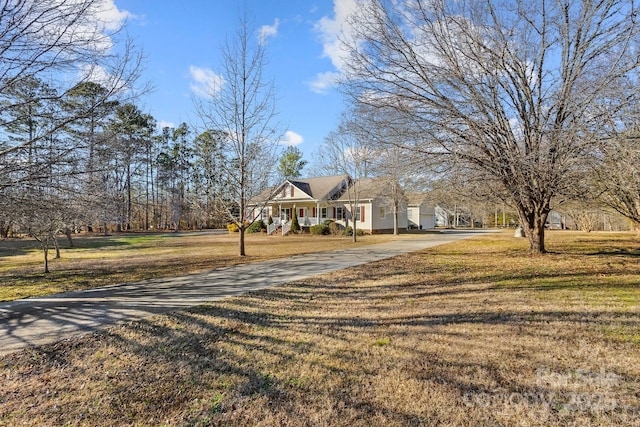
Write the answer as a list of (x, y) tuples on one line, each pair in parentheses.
[(290, 190)]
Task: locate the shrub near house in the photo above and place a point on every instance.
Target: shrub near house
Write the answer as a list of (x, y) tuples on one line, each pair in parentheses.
[(320, 229), (257, 227)]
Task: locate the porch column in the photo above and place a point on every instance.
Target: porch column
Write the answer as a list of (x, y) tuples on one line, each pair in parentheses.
[(318, 215)]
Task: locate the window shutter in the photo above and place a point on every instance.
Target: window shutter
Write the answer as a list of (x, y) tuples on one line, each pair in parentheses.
[(334, 212), (315, 212), (361, 213), (292, 191)]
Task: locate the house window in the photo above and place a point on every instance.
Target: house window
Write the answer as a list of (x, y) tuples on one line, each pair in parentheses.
[(292, 187), (323, 212), (360, 213), (339, 214), (383, 214), (284, 191)]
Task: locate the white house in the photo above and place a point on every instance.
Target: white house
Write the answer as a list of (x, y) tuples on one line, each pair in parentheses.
[(375, 212), (315, 200)]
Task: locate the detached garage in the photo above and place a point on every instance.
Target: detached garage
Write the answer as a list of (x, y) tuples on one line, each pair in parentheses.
[(419, 214)]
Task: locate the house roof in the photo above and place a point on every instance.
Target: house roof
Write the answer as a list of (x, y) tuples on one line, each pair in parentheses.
[(370, 188), (415, 198), (320, 188)]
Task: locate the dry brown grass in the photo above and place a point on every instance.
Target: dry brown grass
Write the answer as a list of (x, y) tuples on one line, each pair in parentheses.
[(99, 261), (472, 333)]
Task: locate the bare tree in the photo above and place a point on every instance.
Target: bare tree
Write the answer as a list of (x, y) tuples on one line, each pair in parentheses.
[(345, 152), (242, 107), (513, 91), (617, 176), (42, 218), (389, 160)]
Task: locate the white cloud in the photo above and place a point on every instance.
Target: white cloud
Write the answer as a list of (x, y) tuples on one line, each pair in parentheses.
[(96, 25), (267, 31), (95, 74), (330, 30), (164, 124), (291, 138), (109, 14), (324, 81), (205, 82)]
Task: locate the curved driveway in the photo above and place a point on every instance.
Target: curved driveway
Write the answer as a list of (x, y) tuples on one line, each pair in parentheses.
[(33, 321)]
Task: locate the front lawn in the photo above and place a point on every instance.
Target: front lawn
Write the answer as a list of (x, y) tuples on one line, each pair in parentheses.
[(472, 333), (98, 261)]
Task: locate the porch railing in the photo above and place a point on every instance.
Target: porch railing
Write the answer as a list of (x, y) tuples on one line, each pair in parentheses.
[(273, 227), (307, 221), (286, 227)]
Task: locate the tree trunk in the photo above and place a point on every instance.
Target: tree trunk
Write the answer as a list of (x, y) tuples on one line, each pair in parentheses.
[(354, 238), (395, 219), (129, 203), (533, 224), (56, 244), (536, 240), (67, 232), (4, 229), (45, 250), (241, 231)]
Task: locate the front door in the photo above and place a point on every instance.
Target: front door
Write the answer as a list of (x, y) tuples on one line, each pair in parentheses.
[(285, 214)]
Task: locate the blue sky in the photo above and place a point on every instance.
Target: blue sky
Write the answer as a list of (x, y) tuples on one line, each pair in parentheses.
[(182, 39)]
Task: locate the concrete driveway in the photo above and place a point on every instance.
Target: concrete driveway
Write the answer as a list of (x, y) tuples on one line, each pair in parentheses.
[(34, 321)]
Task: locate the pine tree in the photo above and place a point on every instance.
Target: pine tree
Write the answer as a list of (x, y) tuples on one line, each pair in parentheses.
[(295, 225)]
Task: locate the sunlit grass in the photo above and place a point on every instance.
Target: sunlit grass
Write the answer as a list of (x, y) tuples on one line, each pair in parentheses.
[(473, 333), (99, 261)]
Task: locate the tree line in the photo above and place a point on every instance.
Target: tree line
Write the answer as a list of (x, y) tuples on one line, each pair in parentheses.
[(110, 168), (77, 151)]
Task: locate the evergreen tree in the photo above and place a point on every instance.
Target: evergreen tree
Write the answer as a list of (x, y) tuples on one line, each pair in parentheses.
[(291, 163), (295, 225)]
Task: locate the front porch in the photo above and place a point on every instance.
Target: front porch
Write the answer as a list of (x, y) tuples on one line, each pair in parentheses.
[(282, 216), (285, 223)]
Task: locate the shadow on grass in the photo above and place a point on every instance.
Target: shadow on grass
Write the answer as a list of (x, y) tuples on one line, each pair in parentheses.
[(21, 246), (296, 353), (311, 353)]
